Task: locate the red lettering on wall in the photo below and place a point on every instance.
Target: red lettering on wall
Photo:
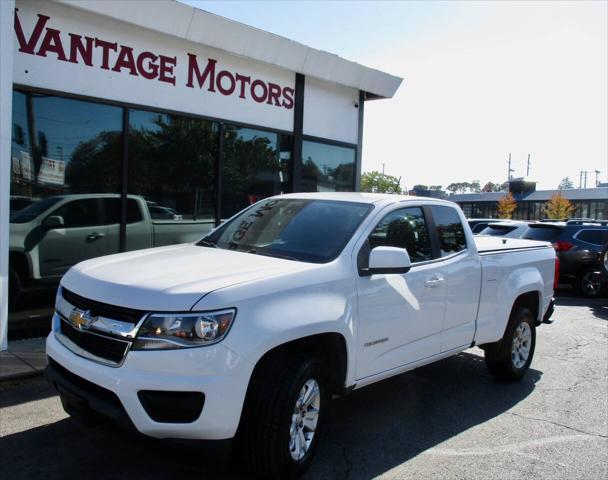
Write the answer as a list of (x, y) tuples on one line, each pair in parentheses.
[(105, 47), (231, 84), (151, 71), (27, 46), (288, 98), (52, 43), (44, 40), (243, 80), (208, 72), (78, 48), (166, 69), (274, 92), (125, 60), (257, 97)]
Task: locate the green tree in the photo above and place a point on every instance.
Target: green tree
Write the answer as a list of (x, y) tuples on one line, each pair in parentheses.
[(506, 206), (380, 183), (566, 183)]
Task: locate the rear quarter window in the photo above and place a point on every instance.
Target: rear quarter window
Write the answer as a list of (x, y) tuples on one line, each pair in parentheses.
[(595, 236), (449, 227), (543, 233)]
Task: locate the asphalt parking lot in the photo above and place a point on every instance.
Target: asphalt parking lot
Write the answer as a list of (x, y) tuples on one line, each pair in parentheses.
[(448, 420)]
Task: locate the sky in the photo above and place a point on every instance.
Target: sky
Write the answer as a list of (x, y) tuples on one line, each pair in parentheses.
[(481, 80)]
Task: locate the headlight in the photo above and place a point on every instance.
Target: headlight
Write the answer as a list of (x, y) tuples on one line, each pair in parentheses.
[(183, 330)]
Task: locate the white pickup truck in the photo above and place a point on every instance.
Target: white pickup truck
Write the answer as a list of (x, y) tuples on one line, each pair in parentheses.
[(53, 234), (248, 333)]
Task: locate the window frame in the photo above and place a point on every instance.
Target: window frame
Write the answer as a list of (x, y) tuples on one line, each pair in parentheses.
[(576, 235)]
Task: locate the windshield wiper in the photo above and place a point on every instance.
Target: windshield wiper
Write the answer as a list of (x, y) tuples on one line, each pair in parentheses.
[(207, 243)]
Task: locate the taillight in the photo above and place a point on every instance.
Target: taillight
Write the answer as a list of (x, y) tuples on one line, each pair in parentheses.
[(562, 246), (556, 276)]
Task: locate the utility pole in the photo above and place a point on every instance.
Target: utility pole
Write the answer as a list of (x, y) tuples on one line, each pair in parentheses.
[(383, 169), (585, 172), (580, 179), (510, 169), (528, 168), (597, 181)]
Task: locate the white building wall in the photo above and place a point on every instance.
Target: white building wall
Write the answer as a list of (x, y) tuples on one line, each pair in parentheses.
[(53, 73), (331, 111)]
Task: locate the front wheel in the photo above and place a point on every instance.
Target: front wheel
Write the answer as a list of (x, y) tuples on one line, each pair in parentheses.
[(510, 358), (283, 417)]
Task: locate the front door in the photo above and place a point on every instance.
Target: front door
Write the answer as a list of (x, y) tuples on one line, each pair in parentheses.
[(82, 236), (401, 315)]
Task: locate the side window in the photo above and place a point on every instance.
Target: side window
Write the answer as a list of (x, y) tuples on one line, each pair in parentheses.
[(450, 230), (591, 236), (111, 210), (79, 213), (133, 211), (404, 228)]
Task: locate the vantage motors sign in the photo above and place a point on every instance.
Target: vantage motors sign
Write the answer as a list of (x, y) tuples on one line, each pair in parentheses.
[(61, 48)]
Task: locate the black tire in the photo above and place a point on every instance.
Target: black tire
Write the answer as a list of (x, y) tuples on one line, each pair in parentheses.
[(604, 261), (264, 437), (14, 287), (499, 357), (589, 282)]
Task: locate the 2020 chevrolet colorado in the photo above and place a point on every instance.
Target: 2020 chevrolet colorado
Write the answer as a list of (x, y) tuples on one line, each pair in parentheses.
[(247, 333)]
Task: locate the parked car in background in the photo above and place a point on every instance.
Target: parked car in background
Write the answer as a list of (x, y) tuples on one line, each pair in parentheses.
[(579, 246), (507, 229), (19, 202), (158, 212), (54, 233), (604, 261), (478, 224)]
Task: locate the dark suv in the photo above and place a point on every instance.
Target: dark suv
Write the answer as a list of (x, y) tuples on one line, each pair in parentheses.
[(578, 246)]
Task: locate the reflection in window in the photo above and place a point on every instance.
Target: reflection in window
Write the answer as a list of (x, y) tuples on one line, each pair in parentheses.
[(450, 230), (257, 164), (63, 146), (327, 168), (60, 147), (404, 228), (172, 165)]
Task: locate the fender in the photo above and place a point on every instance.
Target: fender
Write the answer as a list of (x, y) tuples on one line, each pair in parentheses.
[(498, 296), (275, 311)]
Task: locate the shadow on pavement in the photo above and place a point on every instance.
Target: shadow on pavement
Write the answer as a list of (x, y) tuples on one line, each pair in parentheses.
[(370, 432), (598, 306)]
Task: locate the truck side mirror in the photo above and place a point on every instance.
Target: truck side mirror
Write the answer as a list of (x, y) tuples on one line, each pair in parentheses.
[(387, 260), (53, 221)]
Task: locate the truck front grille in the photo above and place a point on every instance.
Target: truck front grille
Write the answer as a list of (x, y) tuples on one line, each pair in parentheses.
[(99, 309), (102, 346)]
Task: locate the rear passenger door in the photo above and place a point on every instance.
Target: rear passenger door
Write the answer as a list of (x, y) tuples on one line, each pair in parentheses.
[(400, 315), (463, 278)]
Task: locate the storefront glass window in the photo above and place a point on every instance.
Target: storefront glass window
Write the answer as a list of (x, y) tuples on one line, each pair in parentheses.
[(65, 156), (327, 168), (172, 161), (257, 164)]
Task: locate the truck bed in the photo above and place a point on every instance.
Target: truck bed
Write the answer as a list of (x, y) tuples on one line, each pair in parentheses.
[(488, 244)]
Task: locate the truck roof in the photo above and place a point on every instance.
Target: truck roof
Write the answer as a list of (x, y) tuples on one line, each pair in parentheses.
[(363, 197)]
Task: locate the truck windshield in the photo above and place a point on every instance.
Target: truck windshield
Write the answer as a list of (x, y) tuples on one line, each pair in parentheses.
[(297, 229), (32, 211)]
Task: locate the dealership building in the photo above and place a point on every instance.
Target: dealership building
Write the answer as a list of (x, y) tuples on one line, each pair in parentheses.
[(197, 115)]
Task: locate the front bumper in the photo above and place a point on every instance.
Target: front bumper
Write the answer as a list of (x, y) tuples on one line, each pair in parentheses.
[(215, 371)]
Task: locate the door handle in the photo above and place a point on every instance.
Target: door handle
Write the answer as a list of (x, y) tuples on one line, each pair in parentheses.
[(433, 282), (94, 236)]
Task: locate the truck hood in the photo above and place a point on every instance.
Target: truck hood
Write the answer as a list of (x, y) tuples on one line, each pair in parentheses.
[(170, 278)]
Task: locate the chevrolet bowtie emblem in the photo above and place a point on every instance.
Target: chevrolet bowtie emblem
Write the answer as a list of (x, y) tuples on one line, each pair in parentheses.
[(80, 319)]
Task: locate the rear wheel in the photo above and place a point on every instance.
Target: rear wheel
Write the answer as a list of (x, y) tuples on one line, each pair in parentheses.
[(510, 358), (283, 417), (589, 282)]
